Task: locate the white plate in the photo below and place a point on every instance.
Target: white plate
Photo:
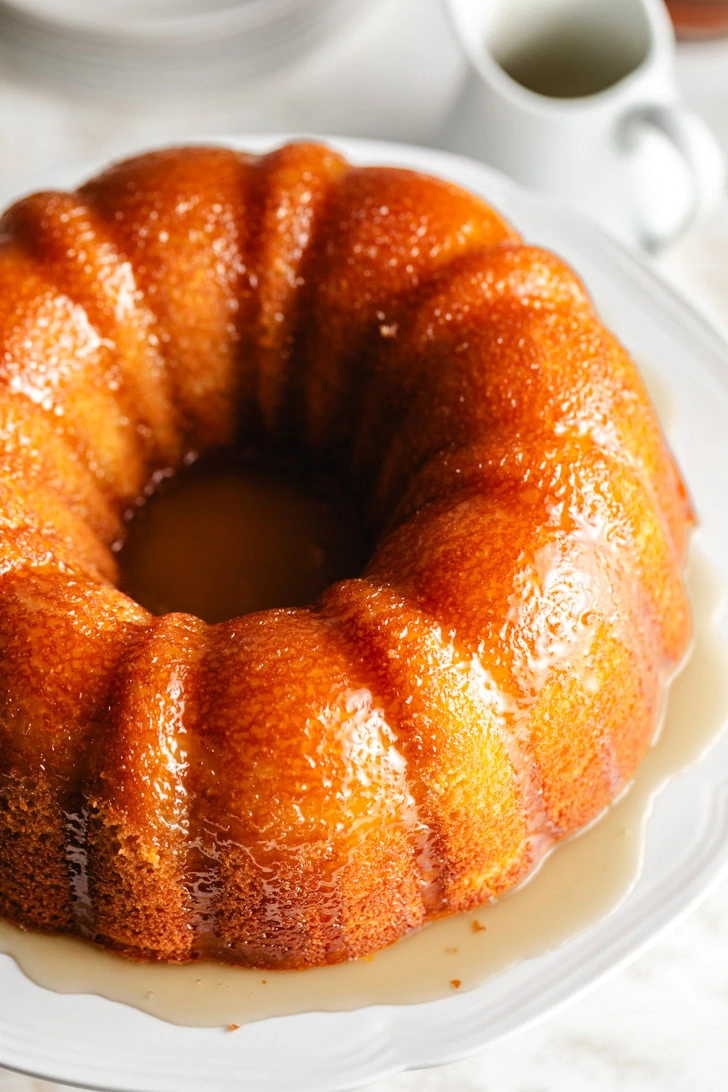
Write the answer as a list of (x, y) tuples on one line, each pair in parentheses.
[(94, 1042)]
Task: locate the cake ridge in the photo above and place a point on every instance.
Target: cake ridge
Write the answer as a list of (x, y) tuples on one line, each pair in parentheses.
[(358, 605), (139, 767), (151, 209), (428, 858), (381, 243), (283, 296), (541, 830), (38, 456)]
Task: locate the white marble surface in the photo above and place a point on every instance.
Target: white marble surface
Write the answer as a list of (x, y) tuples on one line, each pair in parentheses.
[(661, 1025)]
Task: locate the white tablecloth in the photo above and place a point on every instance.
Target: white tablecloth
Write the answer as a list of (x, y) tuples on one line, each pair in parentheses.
[(662, 1024)]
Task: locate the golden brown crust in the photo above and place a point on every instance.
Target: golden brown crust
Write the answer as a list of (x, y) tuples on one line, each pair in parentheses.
[(300, 787)]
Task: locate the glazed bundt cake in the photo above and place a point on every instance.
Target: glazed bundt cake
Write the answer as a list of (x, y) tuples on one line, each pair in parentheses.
[(302, 786)]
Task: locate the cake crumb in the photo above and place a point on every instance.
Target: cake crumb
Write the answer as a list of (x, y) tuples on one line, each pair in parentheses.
[(477, 927), (456, 983), (452, 951), (233, 1027), (264, 981)]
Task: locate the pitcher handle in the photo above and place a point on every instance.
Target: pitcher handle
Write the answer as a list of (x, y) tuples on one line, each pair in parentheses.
[(695, 142)]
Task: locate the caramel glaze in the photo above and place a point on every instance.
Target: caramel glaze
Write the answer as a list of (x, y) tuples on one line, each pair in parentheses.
[(229, 536), (301, 786)]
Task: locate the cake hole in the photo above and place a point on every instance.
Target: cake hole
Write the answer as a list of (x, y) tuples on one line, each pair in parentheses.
[(227, 536)]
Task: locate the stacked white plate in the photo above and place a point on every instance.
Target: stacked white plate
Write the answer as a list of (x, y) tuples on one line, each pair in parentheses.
[(153, 46)]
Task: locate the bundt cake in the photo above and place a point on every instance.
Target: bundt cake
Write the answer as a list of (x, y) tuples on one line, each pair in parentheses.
[(301, 786)]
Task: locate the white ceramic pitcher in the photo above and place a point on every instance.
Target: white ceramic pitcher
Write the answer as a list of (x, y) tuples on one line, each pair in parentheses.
[(578, 98)]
